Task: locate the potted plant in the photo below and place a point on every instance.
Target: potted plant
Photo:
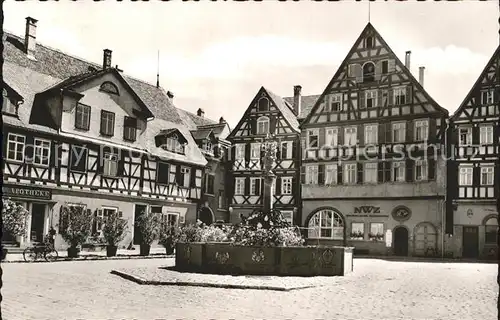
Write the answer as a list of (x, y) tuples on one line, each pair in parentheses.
[(114, 231), (14, 221), (75, 226), (149, 226), (169, 237)]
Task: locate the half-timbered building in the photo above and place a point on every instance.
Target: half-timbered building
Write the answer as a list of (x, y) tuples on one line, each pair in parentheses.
[(473, 187), (267, 115), (372, 171), (80, 133)]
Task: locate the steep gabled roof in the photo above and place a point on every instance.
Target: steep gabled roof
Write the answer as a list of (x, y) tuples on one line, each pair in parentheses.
[(192, 121), (369, 29), (202, 134), (477, 85), (61, 66), (285, 110), (306, 104)]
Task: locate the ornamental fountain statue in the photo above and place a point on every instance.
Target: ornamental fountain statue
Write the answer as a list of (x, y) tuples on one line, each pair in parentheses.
[(269, 150)]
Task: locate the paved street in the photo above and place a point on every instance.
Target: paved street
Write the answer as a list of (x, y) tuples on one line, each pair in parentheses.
[(378, 289)]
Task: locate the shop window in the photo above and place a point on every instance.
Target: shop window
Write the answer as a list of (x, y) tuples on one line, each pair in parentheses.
[(376, 231), (490, 231), (357, 231), (326, 224)]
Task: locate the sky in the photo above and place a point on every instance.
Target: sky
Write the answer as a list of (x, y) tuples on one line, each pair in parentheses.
[(217, 55)]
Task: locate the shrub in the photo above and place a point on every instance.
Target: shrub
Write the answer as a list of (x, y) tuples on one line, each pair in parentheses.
[(14, 218), (114, 230), (149, 225), (76, 224), (170, 236)]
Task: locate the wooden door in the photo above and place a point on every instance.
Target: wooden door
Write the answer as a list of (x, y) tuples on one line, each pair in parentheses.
[(470, 246), (37, 222), (425, 240), (401, 241)]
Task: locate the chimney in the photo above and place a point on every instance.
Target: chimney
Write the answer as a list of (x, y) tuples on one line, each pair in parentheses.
[(222, 120), (297, 99), (421, 71), (407, 59), (200, 112), (106, 59), (170, 94), (30, 36)]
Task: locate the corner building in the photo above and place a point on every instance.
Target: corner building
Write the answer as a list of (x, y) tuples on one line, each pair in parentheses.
[(373, 171)]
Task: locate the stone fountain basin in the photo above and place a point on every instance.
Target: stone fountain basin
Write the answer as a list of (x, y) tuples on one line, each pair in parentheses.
[(227, 258)]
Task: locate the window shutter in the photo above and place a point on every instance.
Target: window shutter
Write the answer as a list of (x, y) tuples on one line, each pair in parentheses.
[(433, 130), (94, 223), (178, 176), (272, 124), (381, 133), (388, 132), (232, 153), (103, 128), (380, 102), (294, 186), (409, 94), (339, 174), (390, 95), (303, 174), (121, 163), (409, 131), (192, 178), (381, 172), (387, 171), (321, 174), (248, 148), (378, 70), (409, 165), (351, 71), (475, 135), (361, 99), (359, 72), (257, 187), (295, 149), (431, 169), (253, 125), (340, 136), (391, 65), (476, 176), (321, 138), (360, 172), (29, 149), (247, 186)]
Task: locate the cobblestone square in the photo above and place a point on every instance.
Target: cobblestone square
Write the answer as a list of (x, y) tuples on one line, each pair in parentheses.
[(377, 289)]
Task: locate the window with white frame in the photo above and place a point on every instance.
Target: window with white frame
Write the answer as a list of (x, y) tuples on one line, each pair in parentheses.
[(326, 224), (311, 174), (102, 216), (331, 174), (376, 231), (371, 98), (421, 170), (465, 176), (312, 138), (285, 150), (370, 172), (398, 171), (263, 125), (255, 184), (286, 185), (487, 96), (465, 136), (487, 175), (398, 132), (255, 151), (240, 151), (168, 219), (185, 176), (82, 117), (15, 147), (399, 96), (332, 137), (42, 152), (350, 173), (357, 231), (350, 136), (486, 135), (371, 134), (239, 186), (110, 164), (421, 130), (336, 102), (288, 216)]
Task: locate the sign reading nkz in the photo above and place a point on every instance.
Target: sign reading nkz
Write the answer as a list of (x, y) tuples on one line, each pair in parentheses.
[(367, 209)]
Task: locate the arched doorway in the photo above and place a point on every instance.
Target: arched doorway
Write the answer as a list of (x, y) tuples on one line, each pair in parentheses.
[(401, 241), (425, 239), (206, 216)]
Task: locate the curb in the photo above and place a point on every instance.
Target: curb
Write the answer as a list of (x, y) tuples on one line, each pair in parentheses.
[(94, 258), (430, 260), (142, 281)]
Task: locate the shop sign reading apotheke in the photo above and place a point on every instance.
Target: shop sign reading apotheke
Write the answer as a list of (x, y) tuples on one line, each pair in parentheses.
[(27, 192)]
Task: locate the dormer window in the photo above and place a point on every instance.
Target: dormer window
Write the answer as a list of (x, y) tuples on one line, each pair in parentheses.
[(263, 125), (109, 87), (7, 106), (171, 140), (369, 42), (208, 146), (263, 104), (368, 72)]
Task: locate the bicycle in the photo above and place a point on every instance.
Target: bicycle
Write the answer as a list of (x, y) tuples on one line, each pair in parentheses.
[(45, 250)]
